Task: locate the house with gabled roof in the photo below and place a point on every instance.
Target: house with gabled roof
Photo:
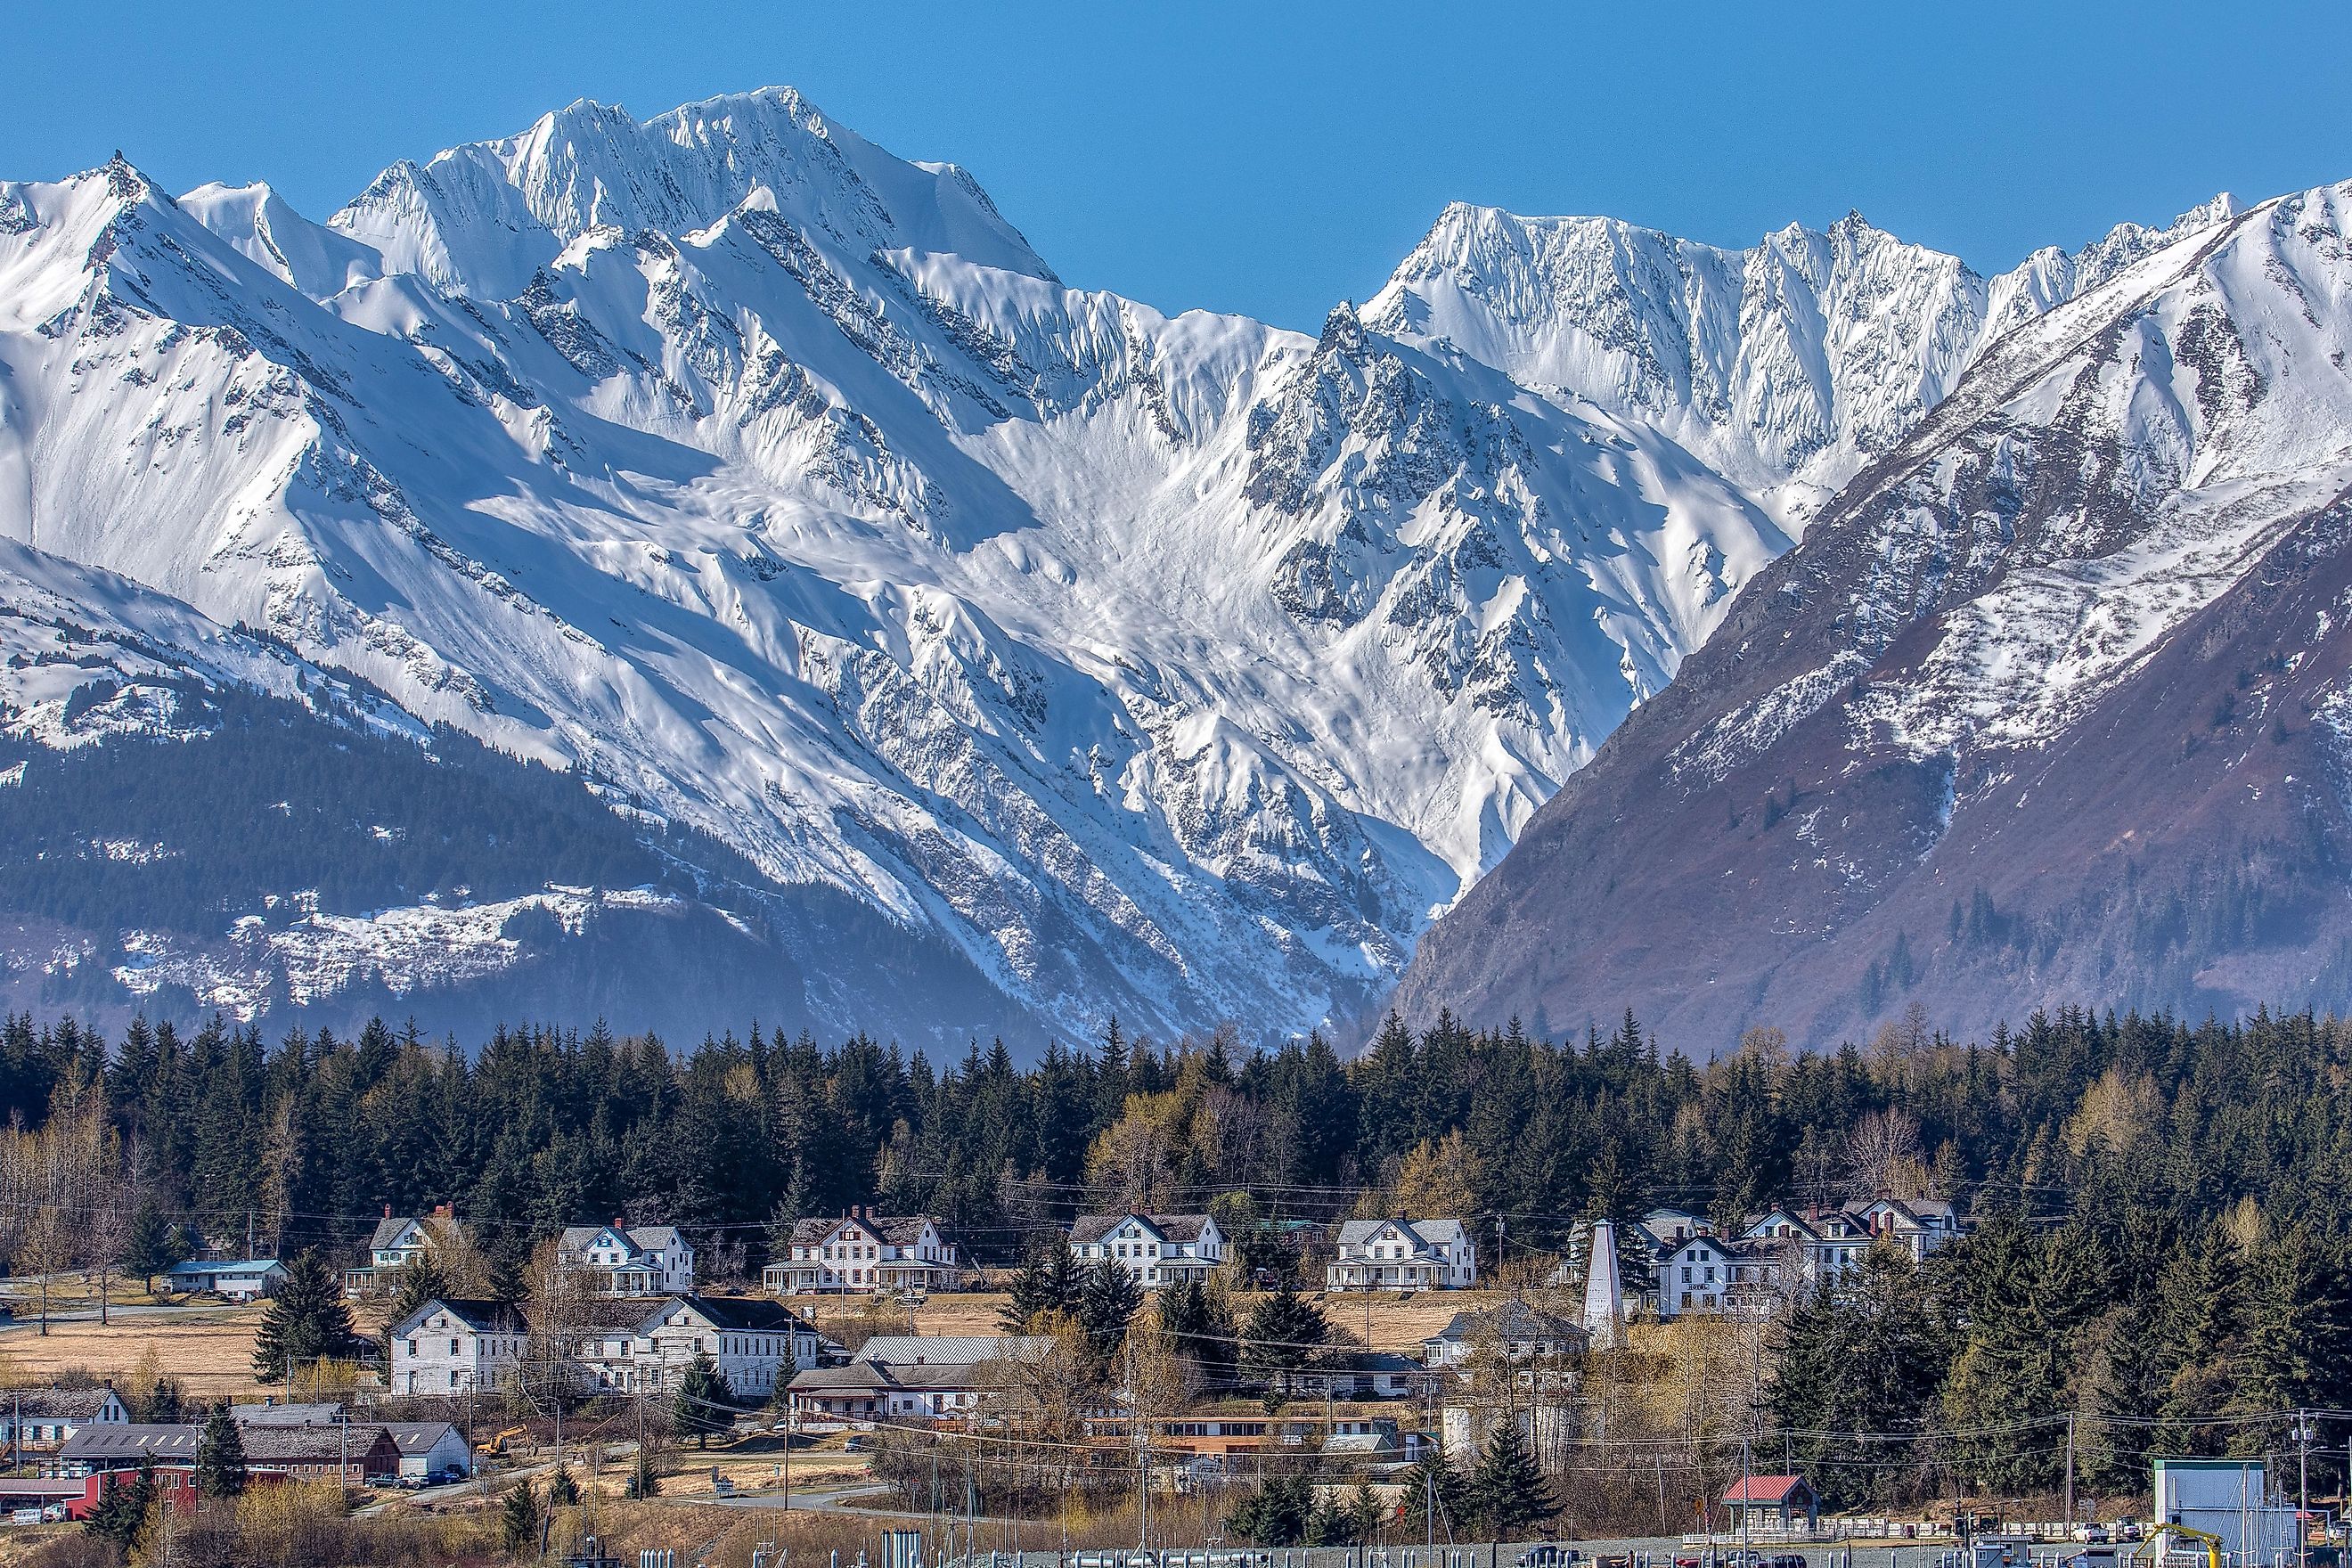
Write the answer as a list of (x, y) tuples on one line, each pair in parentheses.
[(1402, 1255), (43, 1420), (455, 1343), (1520, 1331), (398, 1241), (756, 1344), (1156, 1248), (861, 1252), (1918, 1225), (634, 1260)]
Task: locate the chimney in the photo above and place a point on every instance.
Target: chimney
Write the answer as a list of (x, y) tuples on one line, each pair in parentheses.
[(387, 1211)]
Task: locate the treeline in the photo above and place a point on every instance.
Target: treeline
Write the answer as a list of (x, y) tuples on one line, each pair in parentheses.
[(307, 1137), (2162, 1219)]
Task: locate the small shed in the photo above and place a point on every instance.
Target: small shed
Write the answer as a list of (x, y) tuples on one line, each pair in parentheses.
[(1773, 1502)]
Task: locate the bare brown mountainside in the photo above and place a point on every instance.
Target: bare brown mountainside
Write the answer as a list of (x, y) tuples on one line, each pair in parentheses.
[(2049, 706)]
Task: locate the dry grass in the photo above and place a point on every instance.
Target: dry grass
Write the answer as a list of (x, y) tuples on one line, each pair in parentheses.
[(210, 1354), (1398, 1324)]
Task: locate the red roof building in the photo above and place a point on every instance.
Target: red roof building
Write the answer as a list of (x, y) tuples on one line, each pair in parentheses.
[(1775, 1502)]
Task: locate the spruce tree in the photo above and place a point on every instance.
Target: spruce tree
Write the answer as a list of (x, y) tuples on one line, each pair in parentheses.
[(123, 1508), (304, 1324), (1430, 1486), (702, 1406), (1106, 1305), (518, 1522), (220, 1457), (1511, 1492), (1285, 1332), (563, 1492), (148, 1249), (642, 1481)]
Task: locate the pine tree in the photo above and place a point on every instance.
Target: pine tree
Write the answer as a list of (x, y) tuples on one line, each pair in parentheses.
[(642, 1481), (1198, 1326), (1431, 1484), (1107, 1303), (1275, 1514), (148, 1248), (563, 1492), (518, 1522), (1047, 1282), (220, 1457), (123, 1507), (1285, 1332), (702, 1403), (304, 1324), (1511, 1492)]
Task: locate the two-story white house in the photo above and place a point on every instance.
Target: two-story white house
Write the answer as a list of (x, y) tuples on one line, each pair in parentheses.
[(639, 1261), (453, 1344), (861, 1252), (757, 1345), (1402, 1255), (1157, 1248), (398, 1241)]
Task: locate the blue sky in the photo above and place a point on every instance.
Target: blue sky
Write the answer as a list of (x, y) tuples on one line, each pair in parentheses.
[(1273, 157)]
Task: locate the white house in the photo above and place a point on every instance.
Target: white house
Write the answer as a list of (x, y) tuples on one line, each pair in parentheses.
[(923, 1376), (641, 1260), (861, 1252), (757, 1345), (239, 1279), (398, 1241), (1402, 1255), (451, 1346), (43, 1418), (430, 1448), (1520, 1331), (1157, 1248), (1918, 1225)]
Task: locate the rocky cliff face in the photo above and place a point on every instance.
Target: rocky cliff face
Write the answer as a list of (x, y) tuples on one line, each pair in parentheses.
[(2046, 708)]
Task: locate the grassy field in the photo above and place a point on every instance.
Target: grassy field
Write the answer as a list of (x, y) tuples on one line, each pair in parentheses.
[(1398, 1324), (210, 1351)]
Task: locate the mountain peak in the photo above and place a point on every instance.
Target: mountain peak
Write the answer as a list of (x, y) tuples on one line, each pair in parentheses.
[(480, 218)]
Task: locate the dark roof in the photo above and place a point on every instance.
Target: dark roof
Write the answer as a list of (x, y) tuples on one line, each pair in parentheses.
[(477, 1313), (388, 1230), (898, 1229), (1511, 1321), (739, 1314), (418, 1437), (61, 1404), (318, 1415), (1091, 1227), (133, 1442), (310, 1445), (856, 1374)]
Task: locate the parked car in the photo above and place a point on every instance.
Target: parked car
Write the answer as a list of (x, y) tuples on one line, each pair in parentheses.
[(856, 1443)]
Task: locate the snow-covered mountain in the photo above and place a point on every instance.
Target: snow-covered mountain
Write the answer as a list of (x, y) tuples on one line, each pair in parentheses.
[(1787, 366), (2050, 707), (1180, 667)]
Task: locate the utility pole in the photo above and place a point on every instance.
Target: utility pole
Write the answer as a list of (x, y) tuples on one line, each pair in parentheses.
[(2070, 1474), (1747, 1499)]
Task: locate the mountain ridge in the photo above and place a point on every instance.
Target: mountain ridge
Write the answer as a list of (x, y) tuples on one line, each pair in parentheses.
[(1178, 666)]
